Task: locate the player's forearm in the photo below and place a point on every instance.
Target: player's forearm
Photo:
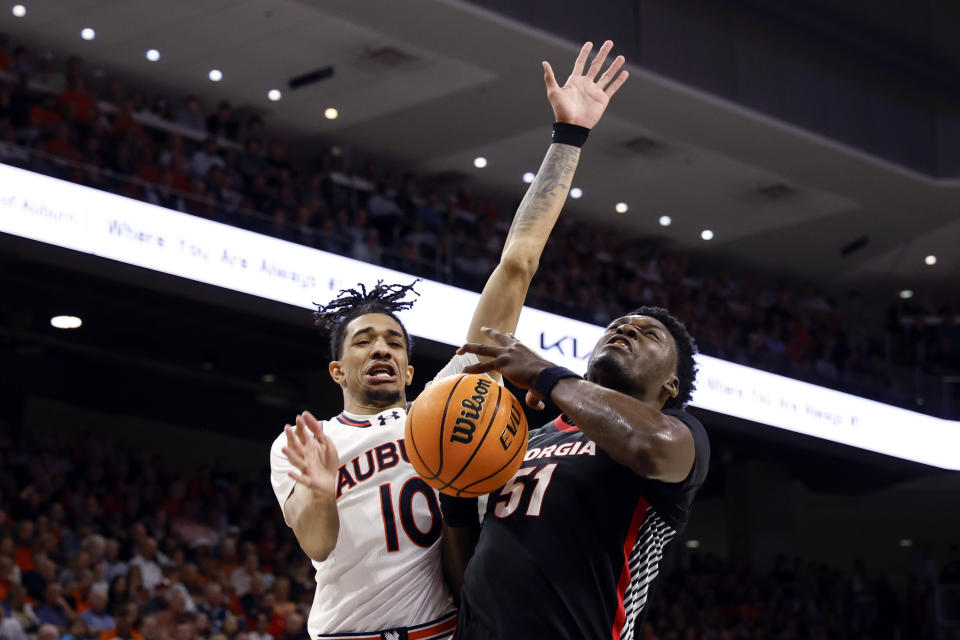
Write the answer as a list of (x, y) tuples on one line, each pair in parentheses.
[(540, 208), (633, 433), (316, 523), (457, 549)]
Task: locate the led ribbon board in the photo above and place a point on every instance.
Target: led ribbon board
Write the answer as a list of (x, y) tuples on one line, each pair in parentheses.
[(83, 219)]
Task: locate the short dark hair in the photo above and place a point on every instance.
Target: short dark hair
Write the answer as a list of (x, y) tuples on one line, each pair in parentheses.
[(686, 350), (353, 303)]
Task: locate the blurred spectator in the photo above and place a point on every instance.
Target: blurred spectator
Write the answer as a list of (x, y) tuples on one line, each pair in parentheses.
[(55, 610), (126, 624), (76, 103), (205, 158), (192, 114), (96, 617), (10, 628), (222, 122), (49, 76)]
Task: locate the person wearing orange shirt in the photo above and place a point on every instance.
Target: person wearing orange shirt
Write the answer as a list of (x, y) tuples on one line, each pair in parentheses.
[(125, 628)]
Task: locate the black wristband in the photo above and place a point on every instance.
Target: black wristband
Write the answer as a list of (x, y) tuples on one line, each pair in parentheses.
[(564, 133), (548, 379), (459, 512)]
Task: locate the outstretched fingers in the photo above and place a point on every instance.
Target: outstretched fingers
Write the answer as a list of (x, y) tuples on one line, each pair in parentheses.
[(548, 78), (611, 72), (614, 86), (581, 60), (599, 59), (484, 367), (314, 426)]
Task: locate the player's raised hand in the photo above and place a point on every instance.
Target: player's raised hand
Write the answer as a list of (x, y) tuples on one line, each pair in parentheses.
[(313, 453), (584, 97), (513, 359)]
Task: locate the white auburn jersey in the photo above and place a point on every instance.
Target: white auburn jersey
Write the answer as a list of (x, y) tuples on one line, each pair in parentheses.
[(385, 570)]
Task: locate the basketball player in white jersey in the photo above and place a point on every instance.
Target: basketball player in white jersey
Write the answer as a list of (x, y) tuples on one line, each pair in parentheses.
[(370, 525)]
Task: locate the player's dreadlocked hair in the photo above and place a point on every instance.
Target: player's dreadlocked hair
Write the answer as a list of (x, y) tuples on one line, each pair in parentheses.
[(351, 303), (686, 349)]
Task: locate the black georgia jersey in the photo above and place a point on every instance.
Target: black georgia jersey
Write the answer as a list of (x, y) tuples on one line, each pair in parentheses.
[(571, 545)]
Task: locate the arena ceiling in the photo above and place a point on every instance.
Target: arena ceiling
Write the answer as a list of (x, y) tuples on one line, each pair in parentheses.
[(435, 83)]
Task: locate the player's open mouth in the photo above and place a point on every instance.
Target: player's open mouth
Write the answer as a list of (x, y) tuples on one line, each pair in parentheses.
[(619, 341), (381, 372)]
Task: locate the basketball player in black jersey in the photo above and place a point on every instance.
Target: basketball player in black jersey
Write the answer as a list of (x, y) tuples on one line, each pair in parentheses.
[(571, 545)]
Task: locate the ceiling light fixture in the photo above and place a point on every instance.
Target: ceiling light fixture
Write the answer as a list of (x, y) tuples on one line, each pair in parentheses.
[(66, 322), (153, 55), (274, 94), (87, 33), (692, 544), (529, 177), (330, 113), (480, 162), (620, 207), (576, 193), (706, 234), (906, 294), (665, 221), (215, 75), (18, 11), (930, 260)]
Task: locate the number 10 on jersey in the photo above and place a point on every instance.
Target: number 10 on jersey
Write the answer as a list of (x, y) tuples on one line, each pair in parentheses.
[(420, 537)]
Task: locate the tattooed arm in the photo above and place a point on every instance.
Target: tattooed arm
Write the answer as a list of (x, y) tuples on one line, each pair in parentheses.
[(581, 101)]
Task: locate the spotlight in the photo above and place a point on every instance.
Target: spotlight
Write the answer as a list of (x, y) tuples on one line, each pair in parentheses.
[(273, 94), (480, 162), (706, 234), (269, 378), (906, 542), (330, 113), (621, 207), (153, 55), (906, 294), (87, 33), (576, 193), (66, 322), (529, 177), (665, 221), (18, 11), (930, 260), (692, 544), (215, 75)]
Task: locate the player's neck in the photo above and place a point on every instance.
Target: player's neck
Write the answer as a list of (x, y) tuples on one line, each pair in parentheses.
[(361, 408)]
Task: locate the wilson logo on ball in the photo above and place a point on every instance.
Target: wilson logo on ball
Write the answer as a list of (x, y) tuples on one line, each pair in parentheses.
[(466, 435), (472, 408)]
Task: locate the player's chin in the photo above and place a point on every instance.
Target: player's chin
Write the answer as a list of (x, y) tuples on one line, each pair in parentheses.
[(384, 393)]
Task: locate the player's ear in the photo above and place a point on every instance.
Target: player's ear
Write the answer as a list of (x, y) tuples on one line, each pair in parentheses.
[(336, 371), (409, 374), (672, 386)]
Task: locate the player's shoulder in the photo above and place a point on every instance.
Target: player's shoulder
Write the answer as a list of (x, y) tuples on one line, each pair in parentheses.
[(689, 420), (281, 440)]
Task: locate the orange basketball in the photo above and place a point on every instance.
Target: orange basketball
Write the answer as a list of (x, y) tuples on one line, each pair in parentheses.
[(466, 435)]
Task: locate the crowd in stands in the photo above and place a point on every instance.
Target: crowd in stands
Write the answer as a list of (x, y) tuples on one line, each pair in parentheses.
[(103, 542), (222, 166), (99, 543), (705, 599)]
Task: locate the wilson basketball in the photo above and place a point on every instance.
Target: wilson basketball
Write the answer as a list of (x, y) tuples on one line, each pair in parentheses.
[(466, 435)]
